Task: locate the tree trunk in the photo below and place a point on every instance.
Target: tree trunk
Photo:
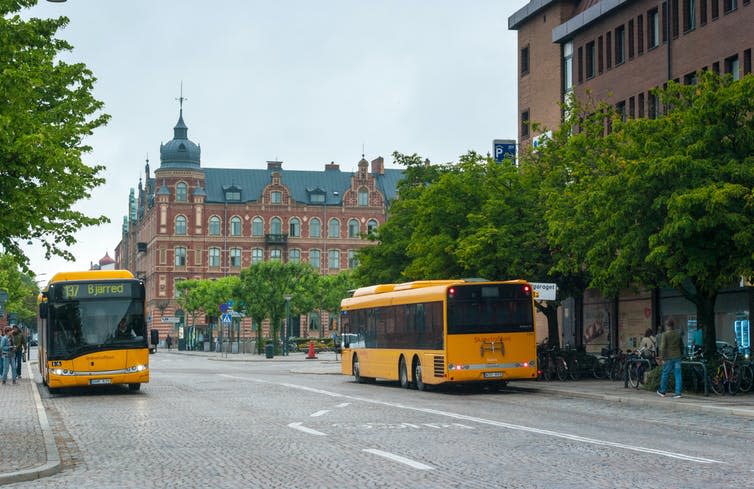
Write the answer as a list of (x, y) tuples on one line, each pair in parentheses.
[(705, 318), (550, 310)]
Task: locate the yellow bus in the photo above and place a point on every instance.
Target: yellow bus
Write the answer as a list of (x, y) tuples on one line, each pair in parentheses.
[(435, 332), (92, 330)]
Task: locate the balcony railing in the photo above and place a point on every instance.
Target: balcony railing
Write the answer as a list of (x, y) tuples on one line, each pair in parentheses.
[(276, 239)]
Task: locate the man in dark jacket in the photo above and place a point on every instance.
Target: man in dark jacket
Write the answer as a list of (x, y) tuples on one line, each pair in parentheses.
[(19, 341), (671, 350)]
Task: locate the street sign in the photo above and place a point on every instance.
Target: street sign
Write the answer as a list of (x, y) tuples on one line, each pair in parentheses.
[(170, 319), (504, 148), (546, 292), (226, 319), (223, 307)]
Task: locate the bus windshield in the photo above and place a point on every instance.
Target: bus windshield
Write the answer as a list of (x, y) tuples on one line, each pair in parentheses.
[(499, 308), (90, 325)]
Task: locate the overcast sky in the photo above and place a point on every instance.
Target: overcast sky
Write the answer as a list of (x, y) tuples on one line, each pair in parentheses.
[(306, 82)]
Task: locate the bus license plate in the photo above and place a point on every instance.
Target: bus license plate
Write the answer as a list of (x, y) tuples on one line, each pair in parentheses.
[(492, 375), (100, 381)]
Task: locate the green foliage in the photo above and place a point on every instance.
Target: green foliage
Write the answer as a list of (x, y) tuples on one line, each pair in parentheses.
[(47, 111), (21, 288)]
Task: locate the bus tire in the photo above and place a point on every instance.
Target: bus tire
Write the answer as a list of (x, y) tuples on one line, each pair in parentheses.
[(418, 382), (403, 374), (134, 387)]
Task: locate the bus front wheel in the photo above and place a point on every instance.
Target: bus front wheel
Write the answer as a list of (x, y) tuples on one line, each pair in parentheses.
[(418, 383), (134, 387), (403, 374)]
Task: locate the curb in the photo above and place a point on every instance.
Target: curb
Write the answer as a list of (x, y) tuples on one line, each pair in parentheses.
[(53, 464), (670, 404)]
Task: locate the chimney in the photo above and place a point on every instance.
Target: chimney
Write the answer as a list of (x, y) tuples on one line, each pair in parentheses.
[(275, 165), (332, 166), (378, 166)]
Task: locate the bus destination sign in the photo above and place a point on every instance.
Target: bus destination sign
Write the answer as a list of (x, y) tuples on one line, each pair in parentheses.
[(93, 290)]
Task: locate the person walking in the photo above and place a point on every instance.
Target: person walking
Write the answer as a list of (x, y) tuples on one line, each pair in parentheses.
[(671, 349), (648, 345), (19, 341), (7, 351), (169, 341)]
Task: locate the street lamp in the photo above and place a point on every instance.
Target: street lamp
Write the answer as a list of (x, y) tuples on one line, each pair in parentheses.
[(287, 298)]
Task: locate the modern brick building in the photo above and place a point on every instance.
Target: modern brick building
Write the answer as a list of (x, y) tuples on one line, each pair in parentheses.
[(192, 222), (618, 51)]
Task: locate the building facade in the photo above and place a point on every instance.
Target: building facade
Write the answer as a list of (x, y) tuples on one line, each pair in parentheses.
[(618, 51), (192, 222)]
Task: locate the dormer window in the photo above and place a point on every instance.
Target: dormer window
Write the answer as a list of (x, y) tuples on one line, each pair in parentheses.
[(181, 192), (317, 198), (232, 193), (276, 197)]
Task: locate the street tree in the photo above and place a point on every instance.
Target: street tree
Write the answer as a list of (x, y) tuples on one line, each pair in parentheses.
[(21, 290), (47, 111), (661, 202), (329, 291), (387, 262), (263, 288)]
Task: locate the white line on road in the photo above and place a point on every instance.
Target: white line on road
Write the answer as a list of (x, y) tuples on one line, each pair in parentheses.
[(343, 404), (297, 426), (398, 458), (319, 413), (490, 422)]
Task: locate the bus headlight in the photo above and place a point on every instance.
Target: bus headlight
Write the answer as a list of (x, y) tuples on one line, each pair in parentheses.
[(62, 371), (136, 368), (455, 366)]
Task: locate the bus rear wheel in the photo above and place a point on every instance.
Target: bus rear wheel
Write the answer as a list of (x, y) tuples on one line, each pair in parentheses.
[(418, 382), (134, 387), (403, 374)]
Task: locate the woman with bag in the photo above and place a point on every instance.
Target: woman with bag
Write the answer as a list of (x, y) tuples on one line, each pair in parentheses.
[(8, 352)]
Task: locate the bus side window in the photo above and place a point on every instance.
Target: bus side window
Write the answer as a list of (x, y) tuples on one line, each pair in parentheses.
[(43, 310)]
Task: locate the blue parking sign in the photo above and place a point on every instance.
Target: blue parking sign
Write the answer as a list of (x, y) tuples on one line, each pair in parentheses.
[(504, 148)]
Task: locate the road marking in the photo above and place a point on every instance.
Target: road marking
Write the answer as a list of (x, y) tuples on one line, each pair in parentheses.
[(398, 458), (319, 413), (432, 425), (410, 425), (297, 426), (463, 426), (343, 404), (490, 422)]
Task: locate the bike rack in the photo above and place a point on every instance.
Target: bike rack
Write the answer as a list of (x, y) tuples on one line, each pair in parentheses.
[(704, 373)]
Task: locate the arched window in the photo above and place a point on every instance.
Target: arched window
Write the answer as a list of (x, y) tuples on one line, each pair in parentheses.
[(257, 227), (353, 228), (314, 258), (314, 228), (276, 226), (294, 255), (371, 225), (333, 259), (180, 225), (214, 226), (181, 192), (333, 228), (235, 226), (353, 262), (276, 254), (294, 227), (235, 257), (257, 256), (214, 257), (363, 197), (180, 256)]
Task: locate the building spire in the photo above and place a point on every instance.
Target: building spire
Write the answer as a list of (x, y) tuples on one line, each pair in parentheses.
[(181, 99)]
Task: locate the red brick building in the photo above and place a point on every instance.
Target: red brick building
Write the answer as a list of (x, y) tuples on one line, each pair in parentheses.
[(192, 222), (618, 51)]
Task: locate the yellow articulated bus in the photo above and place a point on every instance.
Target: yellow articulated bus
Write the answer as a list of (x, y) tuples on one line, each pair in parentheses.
[(92, 330), (440, 331)]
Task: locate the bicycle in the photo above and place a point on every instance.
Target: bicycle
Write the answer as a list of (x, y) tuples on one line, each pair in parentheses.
[(551, 363), (728, 374), (639, 362)]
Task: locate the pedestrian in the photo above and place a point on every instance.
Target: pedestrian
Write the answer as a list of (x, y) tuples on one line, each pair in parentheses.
[(169, 341), (671, 349), (19, 341), (7, 351), (648, 344)]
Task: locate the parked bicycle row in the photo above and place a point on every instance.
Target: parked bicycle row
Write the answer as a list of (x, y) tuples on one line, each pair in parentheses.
[(729, 372)]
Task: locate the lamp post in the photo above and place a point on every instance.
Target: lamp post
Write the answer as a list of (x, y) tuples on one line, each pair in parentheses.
[(287, 298)]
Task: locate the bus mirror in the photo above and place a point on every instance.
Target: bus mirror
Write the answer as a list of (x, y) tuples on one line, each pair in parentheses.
[(43, 310), (154, 336)]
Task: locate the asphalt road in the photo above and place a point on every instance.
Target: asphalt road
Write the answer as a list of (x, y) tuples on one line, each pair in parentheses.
[(203, 423)]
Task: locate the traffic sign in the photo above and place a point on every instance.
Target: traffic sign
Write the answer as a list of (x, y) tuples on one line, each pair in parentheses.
[(226, 319), (223, 307), (170, 319), (545, 292)]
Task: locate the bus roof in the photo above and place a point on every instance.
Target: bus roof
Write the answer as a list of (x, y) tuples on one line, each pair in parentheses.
[(389, 291), (91, 275)]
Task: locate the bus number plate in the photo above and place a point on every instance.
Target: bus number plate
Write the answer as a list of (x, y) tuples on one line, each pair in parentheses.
[(100, 381), (492, 375)]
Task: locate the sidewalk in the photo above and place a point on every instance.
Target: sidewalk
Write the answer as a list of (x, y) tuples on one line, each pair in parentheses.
[(25, 427), (29, 450)]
